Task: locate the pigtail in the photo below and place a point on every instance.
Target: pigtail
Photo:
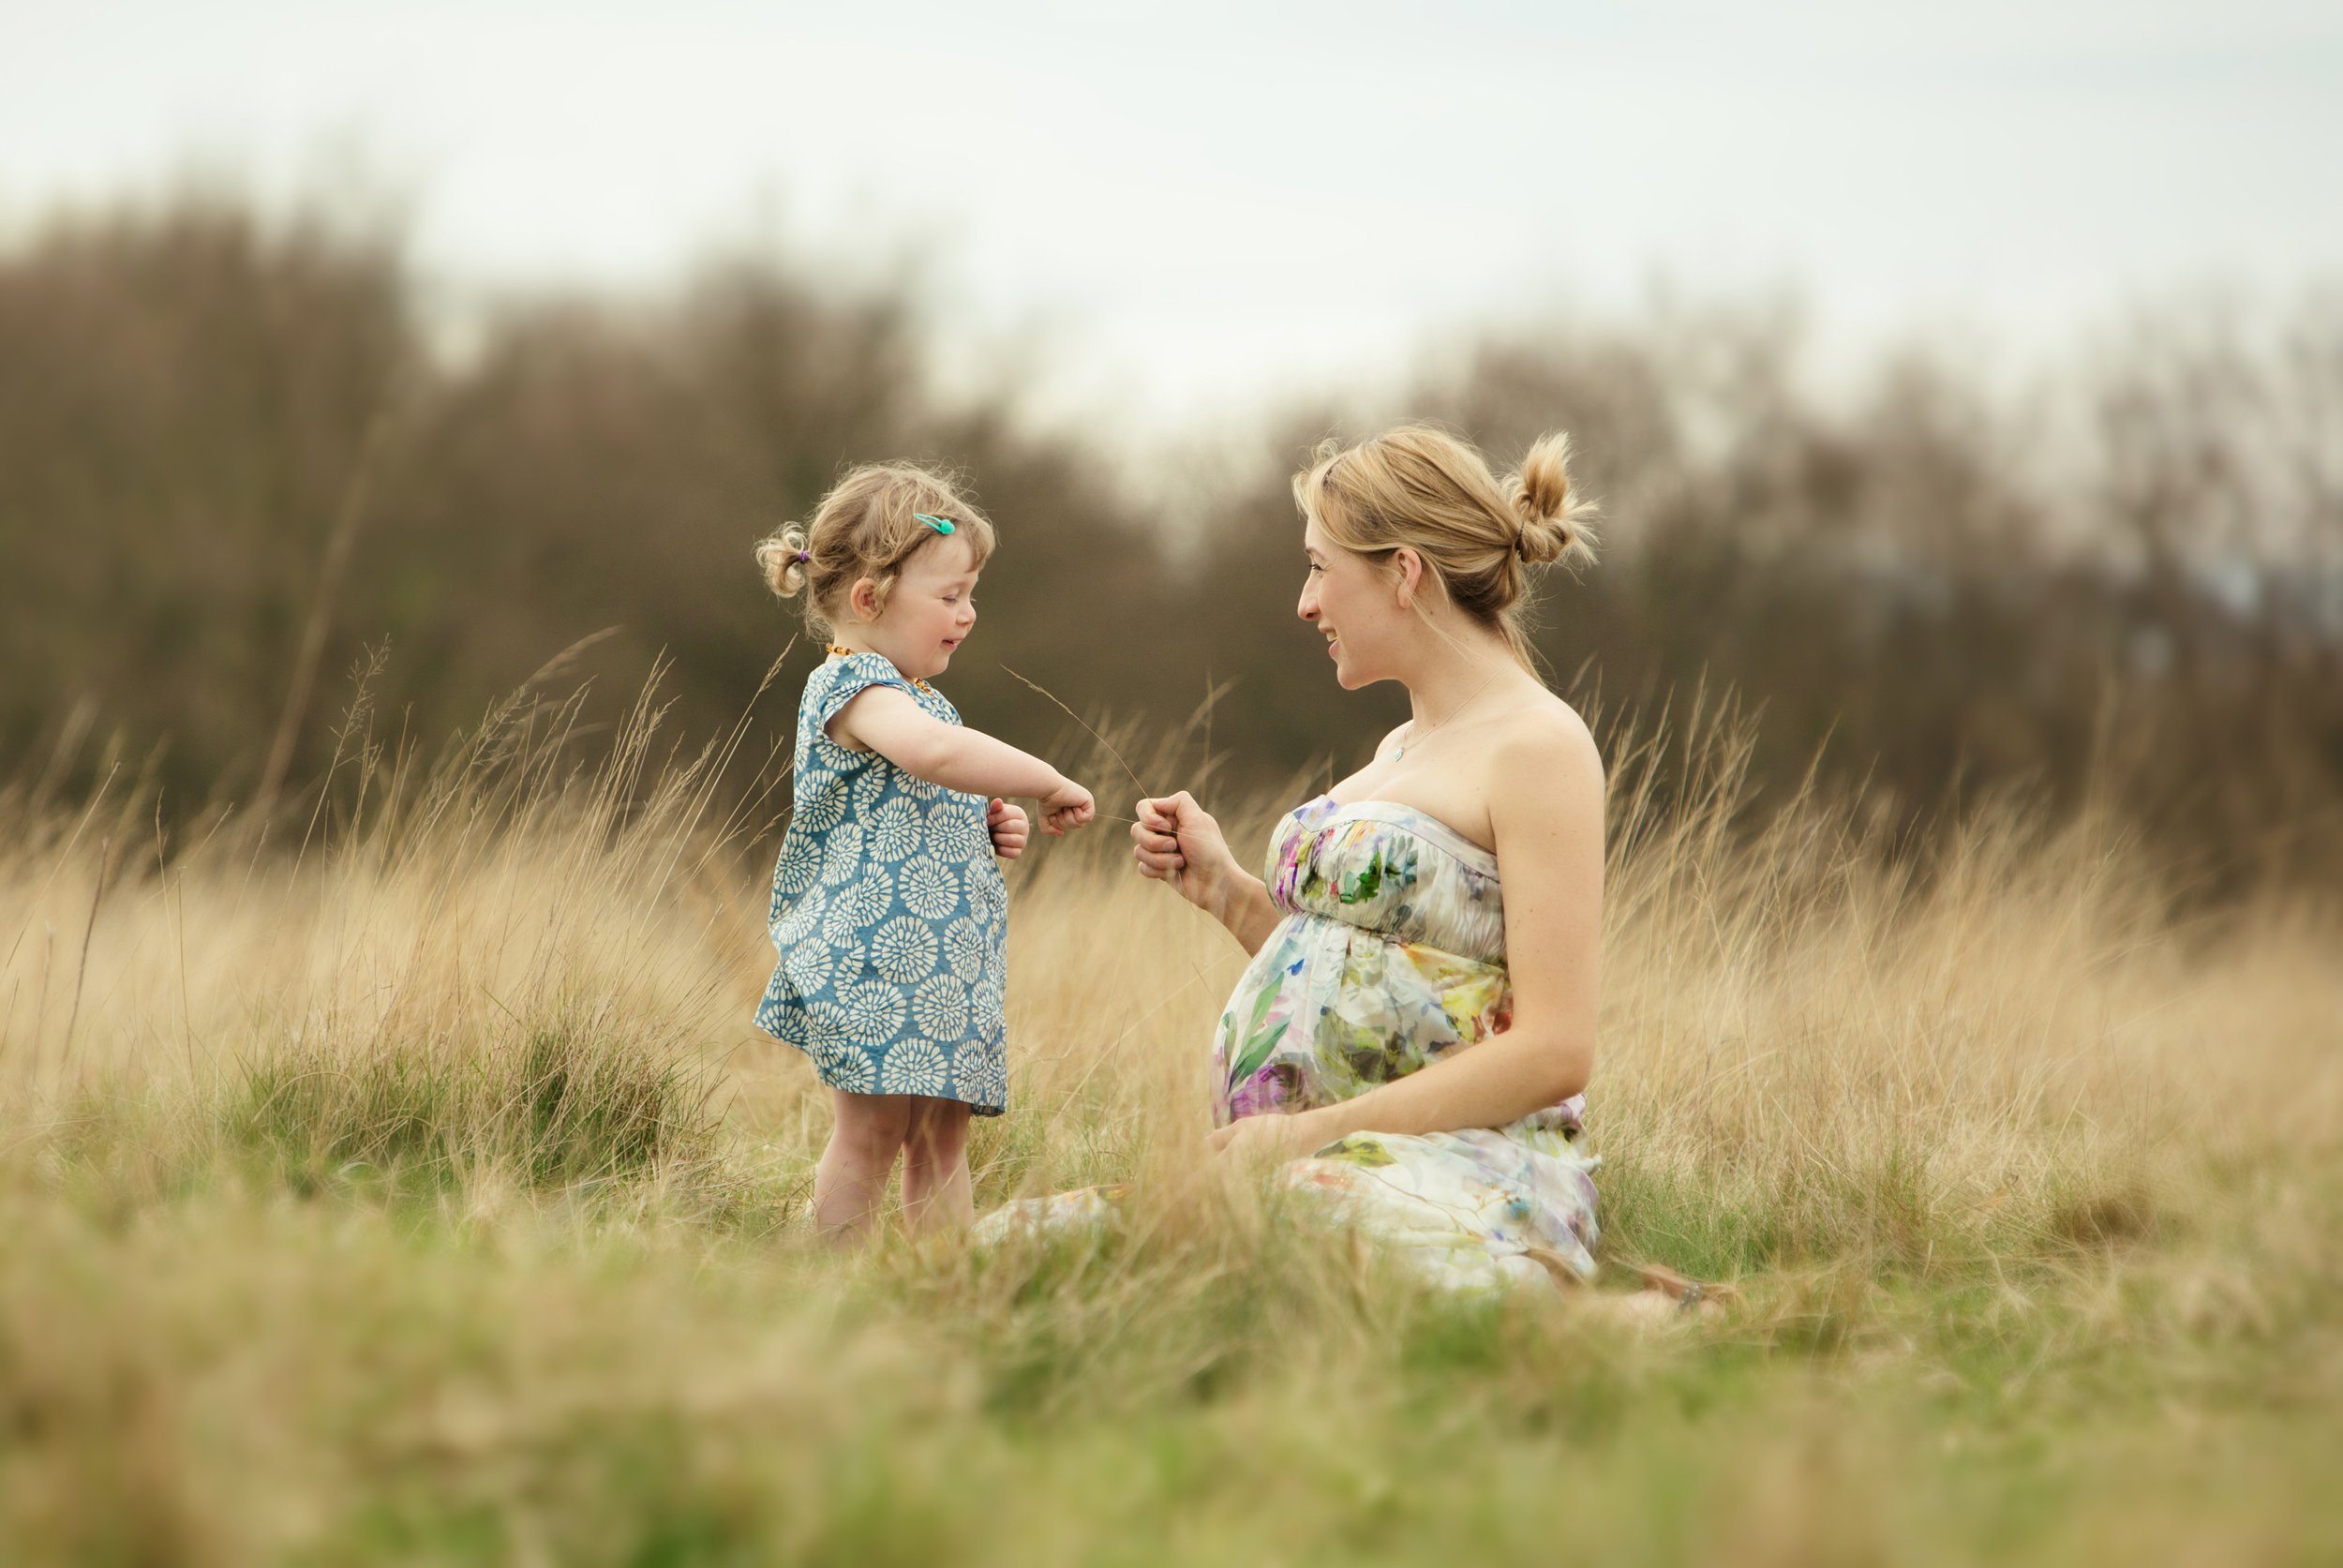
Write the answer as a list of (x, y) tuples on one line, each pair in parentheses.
[(784, 560)]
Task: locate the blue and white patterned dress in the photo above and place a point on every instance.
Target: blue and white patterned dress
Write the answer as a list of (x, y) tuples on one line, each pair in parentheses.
[(889, 913)]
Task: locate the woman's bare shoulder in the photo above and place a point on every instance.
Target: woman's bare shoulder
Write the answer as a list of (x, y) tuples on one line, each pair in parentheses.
[(1545, 779), (1545, 742)]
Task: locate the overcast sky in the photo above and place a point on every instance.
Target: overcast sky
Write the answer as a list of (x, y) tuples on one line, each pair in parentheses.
[(1187, 206)]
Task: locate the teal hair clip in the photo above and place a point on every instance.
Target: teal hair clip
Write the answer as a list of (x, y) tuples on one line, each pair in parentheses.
[(941, 525)]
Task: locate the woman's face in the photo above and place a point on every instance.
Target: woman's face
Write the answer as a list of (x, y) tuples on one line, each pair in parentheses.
[(1354, 604)]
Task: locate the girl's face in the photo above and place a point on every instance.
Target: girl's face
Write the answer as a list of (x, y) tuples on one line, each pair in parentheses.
[(930, 610), (1354, 604)]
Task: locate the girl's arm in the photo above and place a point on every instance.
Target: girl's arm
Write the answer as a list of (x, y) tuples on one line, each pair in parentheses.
[(887, 720), (1547, 803), (1177, 841)]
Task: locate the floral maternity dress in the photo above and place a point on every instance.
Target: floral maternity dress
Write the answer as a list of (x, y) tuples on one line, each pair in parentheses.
[(1391, 955)]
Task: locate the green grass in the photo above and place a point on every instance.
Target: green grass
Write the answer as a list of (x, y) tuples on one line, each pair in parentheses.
[(429, 1199), (555, 1109), (246, 1361)]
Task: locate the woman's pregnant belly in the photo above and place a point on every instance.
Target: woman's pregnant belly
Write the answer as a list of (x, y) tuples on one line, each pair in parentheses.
[(1327, 1010)]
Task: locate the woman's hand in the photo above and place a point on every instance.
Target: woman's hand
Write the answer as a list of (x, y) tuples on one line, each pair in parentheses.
[(1267, 1140), (1176, 841), (1067, 806), (1009, 828)]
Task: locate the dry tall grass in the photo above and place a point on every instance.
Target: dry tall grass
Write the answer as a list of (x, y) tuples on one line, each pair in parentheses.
[(410, 1178)]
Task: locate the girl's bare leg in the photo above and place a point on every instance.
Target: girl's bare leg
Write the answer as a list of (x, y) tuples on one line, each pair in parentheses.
[(851, 1177), (936, 1187)]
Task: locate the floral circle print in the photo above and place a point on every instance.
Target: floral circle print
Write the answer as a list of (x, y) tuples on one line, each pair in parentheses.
[(895, 829), (821, 803), (961, 837), (810, 966), (841, 921), (829, 1021), (783, 1017), (963, 948), (871, 895), (940, 1007), (913, 1066), (887, 915), (875, 1012), (850, 1070), (929, 887), (795, 876), (841, 853), (904, 949), (796, 926), (985, 1078)]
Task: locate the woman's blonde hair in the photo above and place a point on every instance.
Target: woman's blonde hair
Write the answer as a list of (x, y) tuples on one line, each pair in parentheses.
[(869, 526), (1421, 487)]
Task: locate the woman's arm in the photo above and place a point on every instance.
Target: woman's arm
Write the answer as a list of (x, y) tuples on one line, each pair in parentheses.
[(1176, 841), (885, 720), (1244, 905), (1547, 803)]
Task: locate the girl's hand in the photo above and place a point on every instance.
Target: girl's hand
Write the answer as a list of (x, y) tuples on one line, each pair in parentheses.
[(1176, 841), (1009, 828), (1065, 807), (1266, 1140)]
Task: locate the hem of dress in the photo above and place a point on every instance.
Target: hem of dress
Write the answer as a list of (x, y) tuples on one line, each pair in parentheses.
[(975, 1107)]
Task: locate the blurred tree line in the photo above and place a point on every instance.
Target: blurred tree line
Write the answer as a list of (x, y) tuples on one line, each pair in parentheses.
[(234, 458)]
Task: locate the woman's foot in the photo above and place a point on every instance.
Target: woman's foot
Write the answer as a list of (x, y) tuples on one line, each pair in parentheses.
[(1666, 1298), (1682, 1295)]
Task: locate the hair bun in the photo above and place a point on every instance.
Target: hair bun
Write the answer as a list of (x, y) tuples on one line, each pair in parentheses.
[(781, 557), (1553, 525)]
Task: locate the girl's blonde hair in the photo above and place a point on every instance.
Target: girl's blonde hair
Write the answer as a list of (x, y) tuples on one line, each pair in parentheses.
[(867, 526), (1422, 487)]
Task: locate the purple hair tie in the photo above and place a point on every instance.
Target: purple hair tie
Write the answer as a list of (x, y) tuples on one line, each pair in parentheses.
[(805, 555)]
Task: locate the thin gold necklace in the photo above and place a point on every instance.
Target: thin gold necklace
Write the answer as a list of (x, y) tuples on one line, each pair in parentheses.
[(848, 653), (1401, 749)]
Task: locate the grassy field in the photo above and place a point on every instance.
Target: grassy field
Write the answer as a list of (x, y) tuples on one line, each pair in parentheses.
[(407, 1184)]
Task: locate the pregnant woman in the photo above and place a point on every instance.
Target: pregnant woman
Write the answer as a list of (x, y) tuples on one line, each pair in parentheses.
[(1417, 1024), (1413, 1034)]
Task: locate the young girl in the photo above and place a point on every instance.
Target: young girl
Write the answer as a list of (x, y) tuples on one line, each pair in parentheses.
[(887, 908)]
